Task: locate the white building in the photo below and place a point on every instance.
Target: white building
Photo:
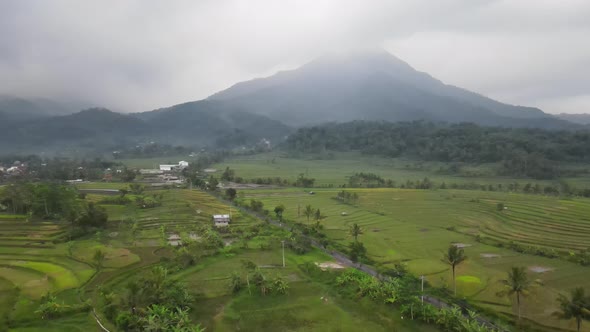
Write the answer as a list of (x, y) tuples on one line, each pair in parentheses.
[(168, 168), (221, 220)]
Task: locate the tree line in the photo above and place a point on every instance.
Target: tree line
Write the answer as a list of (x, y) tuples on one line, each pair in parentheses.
[(53, 201), (520, 151)]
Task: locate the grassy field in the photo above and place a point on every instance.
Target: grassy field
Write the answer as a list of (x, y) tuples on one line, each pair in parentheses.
[(302, 309), (336, 171), (34, 262), (416, 226)]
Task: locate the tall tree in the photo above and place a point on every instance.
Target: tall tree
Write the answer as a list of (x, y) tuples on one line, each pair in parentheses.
[(279, 209), (308, 212), (355, 230), (357, 251), (231, 193), (576, 306), (453, 257), (517, 284), (98, 259), (318, 216)]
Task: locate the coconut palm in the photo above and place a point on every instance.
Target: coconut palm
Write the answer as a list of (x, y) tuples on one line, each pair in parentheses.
[(517, 284), (280, 285), (453, 257), (355, 230), (576, 306)]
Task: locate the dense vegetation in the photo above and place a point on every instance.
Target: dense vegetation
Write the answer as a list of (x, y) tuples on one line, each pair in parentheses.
[(521, 152)]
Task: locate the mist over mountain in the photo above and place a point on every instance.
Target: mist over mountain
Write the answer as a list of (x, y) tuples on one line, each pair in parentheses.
[(15, 109), (372, 86), (364, 86), (195, 124), (583, 118)]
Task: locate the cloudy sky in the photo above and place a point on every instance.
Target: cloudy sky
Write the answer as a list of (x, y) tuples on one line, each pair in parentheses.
[(137, 55)]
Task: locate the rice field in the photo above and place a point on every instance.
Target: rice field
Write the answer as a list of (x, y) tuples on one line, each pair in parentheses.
[(336, 170), (32, 265), (309, 305), (416, 226)]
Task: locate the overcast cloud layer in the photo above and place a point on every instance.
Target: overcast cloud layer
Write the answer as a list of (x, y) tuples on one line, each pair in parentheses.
[(140, 55)]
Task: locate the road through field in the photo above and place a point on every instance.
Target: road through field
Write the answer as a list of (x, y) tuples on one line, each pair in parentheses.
[(344, 260)]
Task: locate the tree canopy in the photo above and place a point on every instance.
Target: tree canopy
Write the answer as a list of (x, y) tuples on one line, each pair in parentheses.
[(528, 152)]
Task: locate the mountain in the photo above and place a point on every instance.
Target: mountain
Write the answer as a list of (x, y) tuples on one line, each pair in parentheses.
[(16, 109), (211, 122), (583, 119), (372, 86), (202, 123)]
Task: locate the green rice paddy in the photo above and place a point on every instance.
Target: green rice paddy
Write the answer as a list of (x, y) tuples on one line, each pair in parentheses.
[(416, 226)]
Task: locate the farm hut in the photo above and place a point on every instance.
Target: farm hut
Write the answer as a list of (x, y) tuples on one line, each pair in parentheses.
[(221, 220), (174, 240)]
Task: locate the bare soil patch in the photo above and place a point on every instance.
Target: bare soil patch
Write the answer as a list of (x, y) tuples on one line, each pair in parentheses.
[(329, 265), (540, 269), (490, 255)]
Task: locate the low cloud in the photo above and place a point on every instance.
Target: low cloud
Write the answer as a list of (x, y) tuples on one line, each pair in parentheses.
[(140, 55)]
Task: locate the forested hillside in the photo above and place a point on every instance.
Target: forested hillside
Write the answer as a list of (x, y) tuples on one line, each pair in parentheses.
[(523, 152)]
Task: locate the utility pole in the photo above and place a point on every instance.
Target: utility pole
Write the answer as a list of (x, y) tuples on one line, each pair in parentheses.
[(283, 243), (422, 278)]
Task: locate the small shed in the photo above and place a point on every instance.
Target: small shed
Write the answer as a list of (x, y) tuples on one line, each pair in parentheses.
[(221, 220)]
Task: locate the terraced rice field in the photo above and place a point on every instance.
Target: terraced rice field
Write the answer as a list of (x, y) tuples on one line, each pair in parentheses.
[(184, 210), (34, 258), (31, 264), (416, 226)]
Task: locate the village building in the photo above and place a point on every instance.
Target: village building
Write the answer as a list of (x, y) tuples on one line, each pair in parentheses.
[(150, 172), (169, 167), (174, 240), (221, 220)]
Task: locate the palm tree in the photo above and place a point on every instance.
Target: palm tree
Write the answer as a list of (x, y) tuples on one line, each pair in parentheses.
[(308, 212), (280, 285), (354, 231), (578, 306), (517, 283), (453, 257)]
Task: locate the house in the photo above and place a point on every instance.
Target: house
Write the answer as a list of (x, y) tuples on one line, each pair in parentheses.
[(169, 168), (221, 220), (150, 171), (14, 170), (174, 240)]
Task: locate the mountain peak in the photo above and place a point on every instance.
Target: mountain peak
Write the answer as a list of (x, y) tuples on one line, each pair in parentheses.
[(371, 85), (365, 60)]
